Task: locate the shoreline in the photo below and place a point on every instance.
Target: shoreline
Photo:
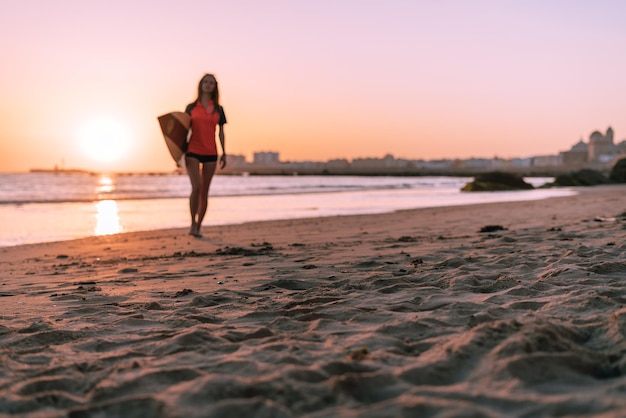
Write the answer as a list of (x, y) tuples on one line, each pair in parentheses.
[(410, 313), (31, 223), (430, 210)]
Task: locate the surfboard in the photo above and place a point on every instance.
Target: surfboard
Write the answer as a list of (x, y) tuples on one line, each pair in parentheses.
[(175, 126)]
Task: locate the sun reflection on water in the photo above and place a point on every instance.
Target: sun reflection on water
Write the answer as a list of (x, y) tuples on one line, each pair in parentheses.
[(107, 218), (105, 184)]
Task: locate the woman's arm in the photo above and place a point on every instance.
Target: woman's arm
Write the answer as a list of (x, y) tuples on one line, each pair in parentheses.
[(223, 144)]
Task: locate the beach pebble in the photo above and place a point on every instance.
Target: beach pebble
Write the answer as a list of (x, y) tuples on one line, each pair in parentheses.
[(492, 228), (183, 292)]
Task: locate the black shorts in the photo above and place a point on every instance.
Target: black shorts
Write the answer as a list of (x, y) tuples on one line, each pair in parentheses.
[(202, 158)]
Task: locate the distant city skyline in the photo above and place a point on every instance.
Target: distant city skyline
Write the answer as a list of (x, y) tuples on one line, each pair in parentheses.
[(598, 146), (600, 151)]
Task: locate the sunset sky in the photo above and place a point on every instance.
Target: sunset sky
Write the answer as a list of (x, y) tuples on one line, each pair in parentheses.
[(313, 80)]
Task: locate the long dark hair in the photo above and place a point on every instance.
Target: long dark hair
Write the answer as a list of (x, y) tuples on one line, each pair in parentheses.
[(215, 96)]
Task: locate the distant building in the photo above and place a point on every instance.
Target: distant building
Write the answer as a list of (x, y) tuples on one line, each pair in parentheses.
[(237, 160), (478, 163), (521, 162), (338, 164), (546, 161), (502, 164), (366, 164), (578, 155), (304, 166), (385, 163), (391, 162), (436, 164), (266, 158), (601, 147), (598, 153)]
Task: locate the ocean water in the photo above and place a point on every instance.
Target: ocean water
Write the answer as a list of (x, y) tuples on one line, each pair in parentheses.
[(49, 206)]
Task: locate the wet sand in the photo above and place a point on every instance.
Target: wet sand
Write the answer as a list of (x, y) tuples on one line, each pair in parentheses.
[(509, 309)]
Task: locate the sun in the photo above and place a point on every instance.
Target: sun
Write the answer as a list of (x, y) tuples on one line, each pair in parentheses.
[(103, 139)]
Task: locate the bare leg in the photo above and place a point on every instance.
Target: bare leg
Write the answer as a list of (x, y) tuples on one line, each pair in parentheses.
[(193, 170), (208, 170)]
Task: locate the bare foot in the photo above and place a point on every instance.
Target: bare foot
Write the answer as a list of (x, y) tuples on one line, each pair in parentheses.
[(195, 231)]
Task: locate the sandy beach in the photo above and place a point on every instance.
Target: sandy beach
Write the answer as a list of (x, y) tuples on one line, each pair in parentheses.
[(495, 310)]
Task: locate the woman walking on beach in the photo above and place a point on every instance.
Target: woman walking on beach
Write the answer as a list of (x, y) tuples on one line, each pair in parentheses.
[(201, 156)]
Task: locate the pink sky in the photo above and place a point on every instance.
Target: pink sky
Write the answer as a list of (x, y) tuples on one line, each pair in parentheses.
[(312, 80)]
